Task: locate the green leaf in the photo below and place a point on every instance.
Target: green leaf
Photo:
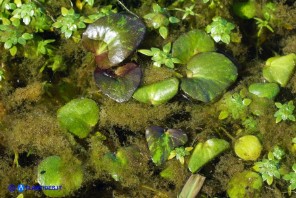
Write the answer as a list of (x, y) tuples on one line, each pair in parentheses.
[(264, 90), (64, 11), (280, 69), (174, 20), (209, 74), (27, 20), (27, 36), (8, 44), (161, 142), (13, 51), (205, 152), (163, 31), (146, 52), (167, 48), (53, 171), (21, 41), (191, 43), (157, 93), (79, 116)]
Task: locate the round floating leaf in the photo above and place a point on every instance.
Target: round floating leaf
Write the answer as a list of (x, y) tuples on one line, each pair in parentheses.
[(209, 75), (161, 142), (205, 152), (121, 84), (158, 93), (191, 43), (79, 116), (113, 38), (264, 90), (248, 147), (246, 184), (279, 69), (66, 177)]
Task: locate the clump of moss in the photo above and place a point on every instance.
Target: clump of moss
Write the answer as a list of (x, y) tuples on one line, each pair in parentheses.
[(135, 116), (35, 131)]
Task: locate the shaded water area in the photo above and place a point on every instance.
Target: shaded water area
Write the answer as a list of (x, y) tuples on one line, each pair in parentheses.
[(114, 158)]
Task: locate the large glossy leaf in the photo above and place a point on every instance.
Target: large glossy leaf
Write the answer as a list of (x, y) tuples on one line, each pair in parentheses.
[(159, 92), (113, 38), (279, 69), (121, 84), (191, 43), (161, 142), (205, 152), (264, 90), (209, 74), (78, 116)]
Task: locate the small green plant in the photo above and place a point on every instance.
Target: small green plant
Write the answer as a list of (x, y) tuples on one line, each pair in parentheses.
[(69, 22), (188, 11), (291, 177), (285, 112), (12, 36), (161, 57), (270, 167), (103, 11), (220, 30), (180, 153), (160, 19), (261, 24)]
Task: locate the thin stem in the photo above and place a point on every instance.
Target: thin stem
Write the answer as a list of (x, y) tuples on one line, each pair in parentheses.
[(124, 7)]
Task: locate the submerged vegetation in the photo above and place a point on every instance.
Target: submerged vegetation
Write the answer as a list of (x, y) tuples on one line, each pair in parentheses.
[(148, 98)]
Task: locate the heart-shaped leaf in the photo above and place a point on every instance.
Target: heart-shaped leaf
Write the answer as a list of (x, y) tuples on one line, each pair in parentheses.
[(191, 43), (205, 152), (121, 84), (113, 38), (161, 142), (209, 74)]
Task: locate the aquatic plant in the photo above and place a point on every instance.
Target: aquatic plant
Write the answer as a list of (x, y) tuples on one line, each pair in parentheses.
[(109, 38), (220, 30), (119, 84), (205, 152), (69, 22), (160, 19), (161, 142), (191, 43), (209, 74), (66, 176), (79, 116), (279, 69), (248, 147), (234, 105), (180, 153), (284, 112), (261, 24), (264, 90), (11, 36), (157, 93), (270, 167), (188, 11), (291, 177), (246, 184), (161, 57)]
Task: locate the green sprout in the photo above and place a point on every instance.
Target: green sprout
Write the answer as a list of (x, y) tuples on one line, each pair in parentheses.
[(285, 111), (160, 20), (69, 22), (180, 153), (270, 168), (261, 25), (187, 12), (291, 177), (44, 48), (161, 57), (220, 30), (25, 12), (103, 11), (11, 36)]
